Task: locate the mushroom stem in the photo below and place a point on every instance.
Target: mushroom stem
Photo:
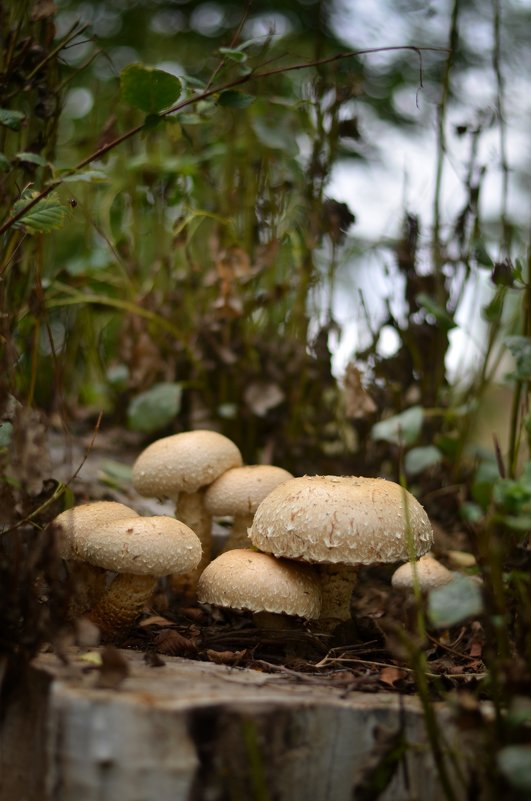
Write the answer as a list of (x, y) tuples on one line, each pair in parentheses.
[(273, 621), (190, 509), (88, 586), (337, 583), (238, 537), (122, 604)]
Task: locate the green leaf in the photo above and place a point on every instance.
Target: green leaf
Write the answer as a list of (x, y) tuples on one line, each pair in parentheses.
[(87, 177), (32, 158), (454, 602), (482, 256), (5, 164), (154, 409), (48, 214), (419, 459), (6, 432), (401, 429), (444, 319), (11, 119), (149, 89), (115, 474), (514, 762), (520, 348), (232, 99), (471, 512), (233, 54)]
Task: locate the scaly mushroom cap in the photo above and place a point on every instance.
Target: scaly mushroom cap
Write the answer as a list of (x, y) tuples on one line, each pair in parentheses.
[(341, 519), (429, 574), (240, 490), (76, 524), (151, 546), (183, 463), (242, 579)]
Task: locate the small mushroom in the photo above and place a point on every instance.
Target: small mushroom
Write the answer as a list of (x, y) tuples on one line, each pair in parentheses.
[(74, 526), (245, 579), (341, 522), (140, 550), (427, 574), (180, 467), (238, 492)]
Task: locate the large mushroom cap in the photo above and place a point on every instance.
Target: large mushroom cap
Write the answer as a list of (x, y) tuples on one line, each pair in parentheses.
[(79, 522), (240, 490), (183, 463), (242, 579), (152, 546), (341, 519)]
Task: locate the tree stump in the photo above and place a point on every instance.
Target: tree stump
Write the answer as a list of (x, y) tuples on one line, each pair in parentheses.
[(197, 731)]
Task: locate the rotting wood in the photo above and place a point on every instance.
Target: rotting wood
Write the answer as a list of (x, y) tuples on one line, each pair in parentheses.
[(195, 731)]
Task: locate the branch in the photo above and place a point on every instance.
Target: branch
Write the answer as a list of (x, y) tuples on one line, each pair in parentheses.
[(203, 96)]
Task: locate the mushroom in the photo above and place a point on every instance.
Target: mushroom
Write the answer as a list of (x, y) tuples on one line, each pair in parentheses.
[(238, 492), (245, 579), (426, 574), (340, 522), (74, 526), (140, 550), (180, 467)]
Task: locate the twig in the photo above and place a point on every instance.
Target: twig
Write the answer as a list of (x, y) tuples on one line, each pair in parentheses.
[(97, 154)]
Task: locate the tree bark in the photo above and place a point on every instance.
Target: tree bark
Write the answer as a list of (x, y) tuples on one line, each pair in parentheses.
[(196, 731)]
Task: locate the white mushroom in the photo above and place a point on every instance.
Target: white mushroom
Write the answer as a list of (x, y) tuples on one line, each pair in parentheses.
[(245, 579), (180, 467), (140, 549), (427, 574), (73, 527), (238, 493), (340, 522)]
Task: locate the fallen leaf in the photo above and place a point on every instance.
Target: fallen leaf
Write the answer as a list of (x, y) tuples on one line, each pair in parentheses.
[(390, 675), (358, 402), (172, 643), (225, 657)]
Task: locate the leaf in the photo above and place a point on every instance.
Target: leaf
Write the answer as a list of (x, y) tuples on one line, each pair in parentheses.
[(232, 99), (419, 459), (5, 164), (482, 256), (11, 119), (87, 177), (149, 89), (445, 320), (6, 432), (233, 54), (32, 158), (514, 762), (154, 409), (115, 474), (47, 215), (520, 348), (455, 602), (401, 429)]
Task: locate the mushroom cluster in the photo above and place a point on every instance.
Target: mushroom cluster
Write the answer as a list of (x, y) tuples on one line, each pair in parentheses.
[(104, 536), (339, 523), (294, 549)]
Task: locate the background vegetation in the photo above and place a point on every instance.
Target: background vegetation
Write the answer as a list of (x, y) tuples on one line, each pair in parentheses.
[(188, 274)]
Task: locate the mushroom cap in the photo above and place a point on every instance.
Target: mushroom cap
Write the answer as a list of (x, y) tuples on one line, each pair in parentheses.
[(183, 463), (243, 579), (341, 519), (430, 574), (143, 546), (76, 524), (240, 490)]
